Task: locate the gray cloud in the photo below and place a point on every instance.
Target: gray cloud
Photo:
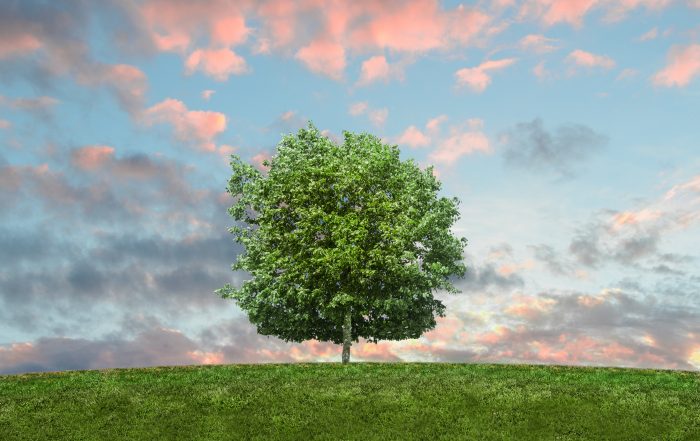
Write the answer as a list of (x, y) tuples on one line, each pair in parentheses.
[(99, 243), (153, 347), (484, 277), (552, 260), (597, 243), (529, 146), (59, 30)]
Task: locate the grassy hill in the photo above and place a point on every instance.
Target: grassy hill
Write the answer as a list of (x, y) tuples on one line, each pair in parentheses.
[(361, 401)]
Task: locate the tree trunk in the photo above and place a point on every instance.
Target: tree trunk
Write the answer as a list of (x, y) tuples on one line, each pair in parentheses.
[(347, 336)]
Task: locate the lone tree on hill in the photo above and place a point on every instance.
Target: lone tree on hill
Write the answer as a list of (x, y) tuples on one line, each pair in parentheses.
[(342, 241)]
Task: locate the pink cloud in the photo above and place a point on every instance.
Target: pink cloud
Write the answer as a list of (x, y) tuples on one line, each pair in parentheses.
[(683, 65), (92, 157), (678, 209), (207, 94), (30, 104), (540, 71), (217, 63), (280, 23), (373, 69), (619, 9), (323, 57), (378, 116), (225, 152), (567, 11), (464, 24), (530, 307), (197, 126), (259, 158), (413, 137), (229, 30), (357, 108), (400, 26), (417, 26), (589, 60), (204, 357), (461, 142), (17, 40), (174, 26), (572, 12), (477, 78), (538, 43), (650, 35), (5, 124), (433, 124)]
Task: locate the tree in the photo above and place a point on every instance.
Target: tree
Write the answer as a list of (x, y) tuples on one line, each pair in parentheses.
[(342, 241)]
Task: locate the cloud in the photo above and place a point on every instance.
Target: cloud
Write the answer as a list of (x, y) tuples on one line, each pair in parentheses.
[(127, 82), (217, 63), (377, 68), (538, 43), (417, 26), (373, 69), (463, 140), (40, 106), (376, 116), (529, 146), (589, 60), (434, 124), (651, 34), (207, 94), (326, 32), (17, 40), (153, 344), (358, 108), (683, 65), (478, 279), (289, 121), (190, 126), (323, 57), (572, 12), (92, 157), (177, 26), (551, 12), (138, 186), (29, 104), (56, 37), (609, 328), (630, 236), (478, 78), (413, 137), (540, 71)]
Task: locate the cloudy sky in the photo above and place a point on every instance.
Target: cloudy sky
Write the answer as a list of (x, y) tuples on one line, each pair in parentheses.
[(569, 130)]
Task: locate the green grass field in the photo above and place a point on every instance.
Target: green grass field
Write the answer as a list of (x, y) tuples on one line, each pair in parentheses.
[(361, 401)]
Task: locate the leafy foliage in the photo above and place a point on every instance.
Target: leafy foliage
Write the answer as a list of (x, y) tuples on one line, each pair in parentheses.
[(332, 228)]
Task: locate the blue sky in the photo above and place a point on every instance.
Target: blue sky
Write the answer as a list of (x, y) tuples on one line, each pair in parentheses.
[(568, 130)]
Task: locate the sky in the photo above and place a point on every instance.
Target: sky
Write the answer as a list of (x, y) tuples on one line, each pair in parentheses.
[(568, 129)]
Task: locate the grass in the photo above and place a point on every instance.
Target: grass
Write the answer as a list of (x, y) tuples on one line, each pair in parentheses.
[(384, 401)]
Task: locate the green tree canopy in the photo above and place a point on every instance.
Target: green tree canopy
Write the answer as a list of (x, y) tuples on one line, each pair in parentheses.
[(342, 241)]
